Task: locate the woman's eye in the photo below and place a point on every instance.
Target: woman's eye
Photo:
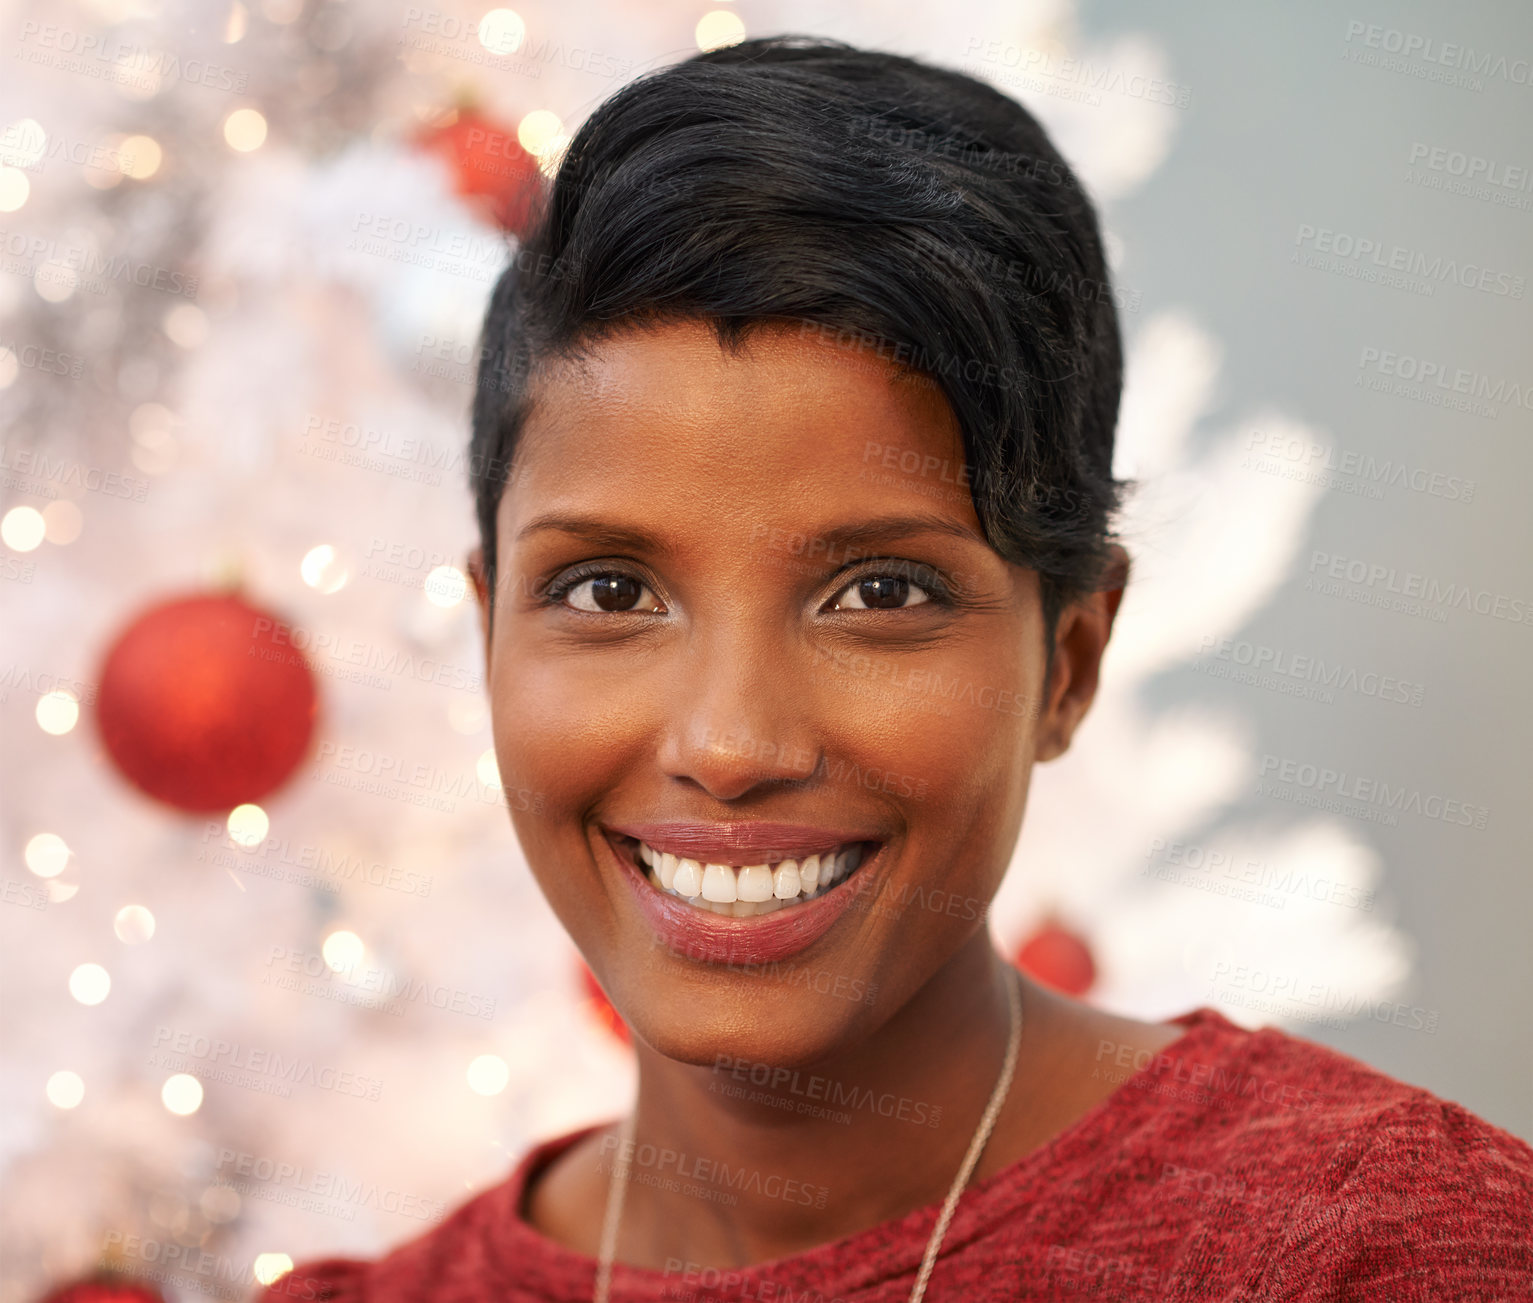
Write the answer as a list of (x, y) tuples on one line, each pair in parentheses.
[(612, 592), (880, 593)]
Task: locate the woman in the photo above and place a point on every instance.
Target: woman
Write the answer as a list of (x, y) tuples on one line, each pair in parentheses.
[(792, 451)]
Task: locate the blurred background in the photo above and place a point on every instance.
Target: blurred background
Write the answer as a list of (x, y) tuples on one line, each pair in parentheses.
[(276, 979)]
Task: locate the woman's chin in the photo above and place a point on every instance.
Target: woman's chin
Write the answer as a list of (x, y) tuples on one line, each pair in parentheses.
[(788, 1029)]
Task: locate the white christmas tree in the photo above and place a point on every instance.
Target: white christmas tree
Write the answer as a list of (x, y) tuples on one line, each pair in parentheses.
[(299, 422)]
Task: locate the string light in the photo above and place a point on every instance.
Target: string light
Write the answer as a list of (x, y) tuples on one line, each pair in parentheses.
[(323, 569), (62, 521), (134, 924), (271, 1267), (14, 189), (343, 950), (245, 130), (181, 1094), (23, 143), (488, 1074), (186, 325), (23, 528), (719, 28), (139, 157), (90, 984), (236, 25), (501, 31), (57, 712), (65, 1089), (55, 282), (538, 130), (47, 854), (248, 825), (446, 586)]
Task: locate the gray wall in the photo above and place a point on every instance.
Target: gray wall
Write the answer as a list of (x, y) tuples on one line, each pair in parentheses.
[(1300, 117)]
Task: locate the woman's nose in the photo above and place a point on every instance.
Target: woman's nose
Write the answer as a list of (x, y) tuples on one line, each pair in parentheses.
[(738, 720)]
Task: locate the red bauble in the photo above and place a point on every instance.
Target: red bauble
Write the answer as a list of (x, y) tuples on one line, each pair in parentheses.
[(204, 703), (1058, 958), (489, 163), (600, 1006), (104, 1288)]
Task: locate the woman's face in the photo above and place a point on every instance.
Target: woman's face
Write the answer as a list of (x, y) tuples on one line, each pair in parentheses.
[(745, 616)]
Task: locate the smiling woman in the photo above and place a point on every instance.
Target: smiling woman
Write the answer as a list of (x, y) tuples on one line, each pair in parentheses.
[(808, 406)]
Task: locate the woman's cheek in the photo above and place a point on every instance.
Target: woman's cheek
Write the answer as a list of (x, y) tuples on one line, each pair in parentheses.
[(553, 717)]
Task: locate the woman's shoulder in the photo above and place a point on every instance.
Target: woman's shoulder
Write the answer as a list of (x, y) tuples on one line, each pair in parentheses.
[(1269, 1096), (1356, 1182), (453, 1259)]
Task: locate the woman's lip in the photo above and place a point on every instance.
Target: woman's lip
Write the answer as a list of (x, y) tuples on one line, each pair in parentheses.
[(693, 933), (741, 843)]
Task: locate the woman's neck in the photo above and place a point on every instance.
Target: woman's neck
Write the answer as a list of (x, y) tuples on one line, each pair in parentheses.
[(771, 1163), (737, 1164)]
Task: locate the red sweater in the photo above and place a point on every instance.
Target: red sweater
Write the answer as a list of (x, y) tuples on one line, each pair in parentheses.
[(1235, 1165)]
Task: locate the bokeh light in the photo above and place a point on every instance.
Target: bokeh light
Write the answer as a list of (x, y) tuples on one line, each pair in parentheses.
[(47, 854), (57, 712), (719, 28), (140, 157), (23, 143), (90, 984), (538, 130), (14, 189), (501, 31), (323, 569), (65, 1089), (134, 924), (62, 521), (446, 586), (488, 1074), (186, 325), (271, 1267), (23, 528), (343, 950), (55, 282), (248, 825), (220, 1203), (245, 130), (181, 1094)]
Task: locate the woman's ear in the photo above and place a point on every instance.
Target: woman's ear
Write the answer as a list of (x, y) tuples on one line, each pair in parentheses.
[(1080, 639)]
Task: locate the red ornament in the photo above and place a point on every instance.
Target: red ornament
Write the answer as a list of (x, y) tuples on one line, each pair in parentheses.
[(204, 703), (105, 1287), (1058, 958), (489, 165), (600, 1006)]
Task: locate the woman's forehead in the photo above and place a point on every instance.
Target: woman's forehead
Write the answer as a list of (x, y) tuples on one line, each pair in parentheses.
[(787, 411)]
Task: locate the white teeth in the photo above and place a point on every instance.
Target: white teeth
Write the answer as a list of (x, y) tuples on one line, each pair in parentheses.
[(689, 878), (754, 883), (785, 882), (719, 884), (749, 908), (752, 889), (809, 874)]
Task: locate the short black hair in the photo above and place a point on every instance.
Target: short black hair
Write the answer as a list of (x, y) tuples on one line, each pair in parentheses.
[(867, 196)]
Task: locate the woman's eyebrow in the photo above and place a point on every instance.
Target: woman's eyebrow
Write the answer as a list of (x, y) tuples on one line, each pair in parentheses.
[(853, 534), (591, 528)]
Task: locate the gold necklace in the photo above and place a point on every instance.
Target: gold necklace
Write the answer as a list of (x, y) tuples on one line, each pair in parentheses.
[(619, 1183)]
